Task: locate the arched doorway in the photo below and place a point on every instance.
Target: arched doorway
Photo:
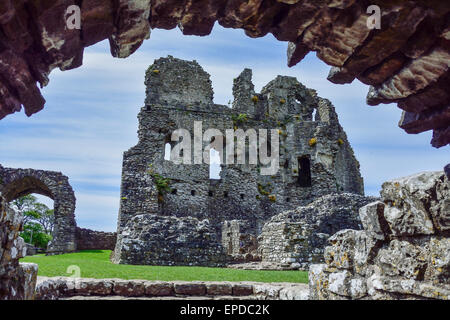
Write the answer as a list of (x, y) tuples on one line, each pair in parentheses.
[(15, 183)]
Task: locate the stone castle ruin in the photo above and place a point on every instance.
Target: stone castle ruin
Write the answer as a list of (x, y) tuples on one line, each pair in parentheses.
[(199, 215)]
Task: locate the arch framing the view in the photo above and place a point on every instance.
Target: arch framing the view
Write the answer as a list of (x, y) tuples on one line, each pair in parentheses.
[(15, 183)]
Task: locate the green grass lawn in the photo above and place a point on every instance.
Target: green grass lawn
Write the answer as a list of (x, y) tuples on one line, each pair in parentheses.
[(96, 264)]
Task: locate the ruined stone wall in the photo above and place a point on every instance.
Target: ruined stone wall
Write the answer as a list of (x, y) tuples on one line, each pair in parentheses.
[(161, 240), (17, 280), (15, 183), (87, 239), (180, 93), (231, 233), (403, 251), (297, 238)]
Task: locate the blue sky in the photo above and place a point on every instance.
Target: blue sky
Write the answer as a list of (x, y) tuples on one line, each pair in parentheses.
[(90, 117)]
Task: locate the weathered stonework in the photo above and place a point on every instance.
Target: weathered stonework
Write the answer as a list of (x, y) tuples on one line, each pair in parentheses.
[(315, 157), (94, 240), (17, 280), (297, 238), (239, 241), (406, 61), (168, 240), (15, 183), (403, 251)]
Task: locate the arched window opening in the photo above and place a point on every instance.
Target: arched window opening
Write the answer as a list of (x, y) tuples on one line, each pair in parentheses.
[(304, 171)]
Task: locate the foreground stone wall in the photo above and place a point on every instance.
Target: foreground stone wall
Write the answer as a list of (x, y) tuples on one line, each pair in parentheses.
[(159, 240), (404, 61), (403, 251), (87, 239), (239, 241), (15, 183), (17, 280), (297, 238), (66, 288)]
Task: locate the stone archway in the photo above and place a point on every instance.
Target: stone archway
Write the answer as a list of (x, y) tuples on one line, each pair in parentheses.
[(15, 183)]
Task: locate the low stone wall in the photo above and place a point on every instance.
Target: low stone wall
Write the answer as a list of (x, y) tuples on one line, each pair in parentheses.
[(17, 280), (403, 251), (167, 240), (87, 239), (296, 238), (63, 287)]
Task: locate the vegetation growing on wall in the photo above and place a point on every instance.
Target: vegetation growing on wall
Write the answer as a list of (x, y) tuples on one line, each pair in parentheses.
[(161, 183)]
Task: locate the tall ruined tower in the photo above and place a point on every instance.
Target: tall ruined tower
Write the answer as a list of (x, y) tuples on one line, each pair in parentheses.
[(315, 157)]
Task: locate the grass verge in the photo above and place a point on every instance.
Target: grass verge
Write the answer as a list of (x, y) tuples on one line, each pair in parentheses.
[(96, 264)]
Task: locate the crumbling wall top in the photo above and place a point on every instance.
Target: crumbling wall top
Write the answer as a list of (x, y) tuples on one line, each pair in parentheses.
[(178, 83)]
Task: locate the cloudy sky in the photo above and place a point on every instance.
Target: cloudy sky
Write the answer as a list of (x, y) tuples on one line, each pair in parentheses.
[(90, 116)]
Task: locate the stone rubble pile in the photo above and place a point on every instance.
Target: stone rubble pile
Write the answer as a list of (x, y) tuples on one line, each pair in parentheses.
[(403, 251)]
